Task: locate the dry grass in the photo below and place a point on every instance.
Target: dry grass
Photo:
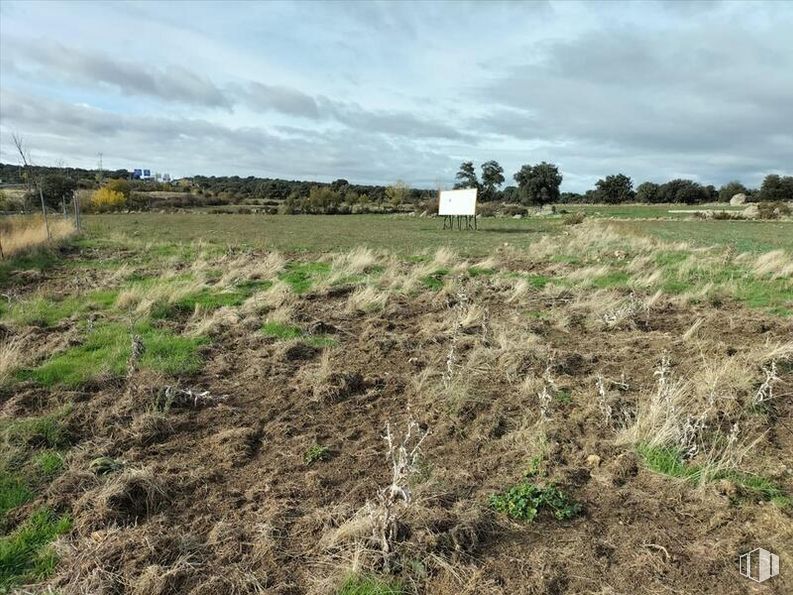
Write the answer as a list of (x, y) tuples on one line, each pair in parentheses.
[(355, 262), (366, 299), (777, 264), (20, 234), (141, 298), (248, 267), (10, 357)]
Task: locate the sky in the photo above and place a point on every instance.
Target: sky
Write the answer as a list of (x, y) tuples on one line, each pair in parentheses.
[(376, 92)]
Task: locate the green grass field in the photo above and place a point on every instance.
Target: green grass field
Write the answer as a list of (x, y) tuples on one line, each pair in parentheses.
[(644, 211), (320, 233), (742, 236), (410, 235)]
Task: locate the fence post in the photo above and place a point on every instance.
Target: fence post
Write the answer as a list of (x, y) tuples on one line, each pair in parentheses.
[(44, 212)]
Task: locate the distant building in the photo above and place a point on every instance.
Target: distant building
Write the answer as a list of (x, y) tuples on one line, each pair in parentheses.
[(141, 174)]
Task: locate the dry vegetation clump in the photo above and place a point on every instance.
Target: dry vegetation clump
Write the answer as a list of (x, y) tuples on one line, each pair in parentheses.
[(10, 357), (251, 267), (367, 299), (125, 499), (20, 234)]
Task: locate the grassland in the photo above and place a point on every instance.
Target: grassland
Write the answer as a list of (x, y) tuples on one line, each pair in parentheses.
[(318, 233), (198, 404)]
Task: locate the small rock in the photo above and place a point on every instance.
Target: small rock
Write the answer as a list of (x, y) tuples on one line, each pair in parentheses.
[(593, 461)]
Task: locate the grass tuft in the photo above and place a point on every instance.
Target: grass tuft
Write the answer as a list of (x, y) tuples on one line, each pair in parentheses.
[(24, 555), (301, 275), (434, 281), (13, 493), (48, 462)]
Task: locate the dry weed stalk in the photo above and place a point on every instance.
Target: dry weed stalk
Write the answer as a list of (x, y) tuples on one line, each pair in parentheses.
[(624, 311), (451, 356), (135, 352), (603, 405), (545, 396), (766, 390), (172, 396), (394, 499)]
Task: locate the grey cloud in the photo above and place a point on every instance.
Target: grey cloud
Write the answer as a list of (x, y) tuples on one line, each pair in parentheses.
[(397, 123), (676, 96), (130, 78), (285, 100), (198, 146)]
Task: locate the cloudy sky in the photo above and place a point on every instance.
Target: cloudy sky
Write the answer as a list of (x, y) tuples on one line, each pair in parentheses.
[(374, 92)]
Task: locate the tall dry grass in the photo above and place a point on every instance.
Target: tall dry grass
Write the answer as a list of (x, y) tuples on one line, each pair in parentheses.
[(19, 234), (10, 358)]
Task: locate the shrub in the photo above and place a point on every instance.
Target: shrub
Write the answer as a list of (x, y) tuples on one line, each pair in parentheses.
[(123, 187), (486, 209), (511, 210), (106, 199), (573, 218), (772, 210)]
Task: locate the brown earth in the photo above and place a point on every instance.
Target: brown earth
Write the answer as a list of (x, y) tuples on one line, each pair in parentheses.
[(217, 498)]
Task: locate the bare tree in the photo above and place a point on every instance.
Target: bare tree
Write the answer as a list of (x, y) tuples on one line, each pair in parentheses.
[(24, 154)]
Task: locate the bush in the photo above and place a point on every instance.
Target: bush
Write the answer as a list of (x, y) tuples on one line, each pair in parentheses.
[(486, 209), (106, 199), (511, 210), (573, 218), (772, 210), (123, 187)]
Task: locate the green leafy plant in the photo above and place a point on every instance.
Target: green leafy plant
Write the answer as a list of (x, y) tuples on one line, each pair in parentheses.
[(316, 452), (524, 501)]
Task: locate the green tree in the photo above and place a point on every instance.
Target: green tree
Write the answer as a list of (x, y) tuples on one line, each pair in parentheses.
[(614, 189), (466, 176), (647, 192), (730, 189), (538, 184), (682, 191), (776, 188), (57, 189), (492, 178), (510, 194), (397, 193)]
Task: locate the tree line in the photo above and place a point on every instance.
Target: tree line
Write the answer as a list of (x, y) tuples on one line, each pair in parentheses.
[(540, 184), (535, 184)]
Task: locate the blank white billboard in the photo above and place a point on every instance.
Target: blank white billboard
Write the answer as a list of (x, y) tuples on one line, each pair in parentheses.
[(457, 202)]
